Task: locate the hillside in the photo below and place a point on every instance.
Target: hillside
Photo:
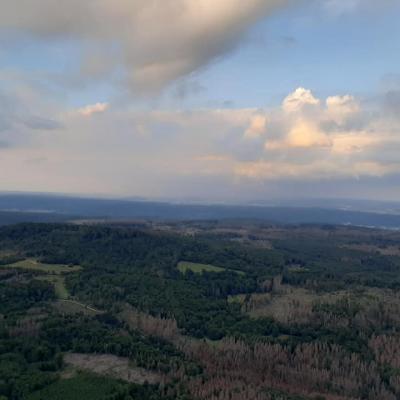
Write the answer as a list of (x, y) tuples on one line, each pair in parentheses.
[(199, 311)]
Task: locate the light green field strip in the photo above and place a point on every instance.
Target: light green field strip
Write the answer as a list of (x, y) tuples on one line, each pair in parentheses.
[(54, 274), (237, 298), (31, 264), (185, 266), (59, 285)]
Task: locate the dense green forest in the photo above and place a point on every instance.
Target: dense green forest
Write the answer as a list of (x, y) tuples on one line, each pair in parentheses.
[(256, 312)]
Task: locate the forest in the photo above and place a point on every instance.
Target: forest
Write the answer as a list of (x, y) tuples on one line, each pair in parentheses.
[(201, 310)]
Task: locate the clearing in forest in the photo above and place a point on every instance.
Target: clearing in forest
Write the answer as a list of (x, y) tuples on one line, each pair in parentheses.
[(185, 266), (68, 306), (58, 282), (111, 366), (32, 264), (52, 273)]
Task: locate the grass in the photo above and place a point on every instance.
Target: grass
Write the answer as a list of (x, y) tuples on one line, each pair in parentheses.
[(299, 270), (31, 264), (58, 282), (83, 386), (52, 273), (237, 298), (185, 266)]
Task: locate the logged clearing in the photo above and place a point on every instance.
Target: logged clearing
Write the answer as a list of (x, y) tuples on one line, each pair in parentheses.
[(34, 265), (294, 304), (303, 306), (111, 366), (368, 248), (289, 305), (66, 306), (185, 266)]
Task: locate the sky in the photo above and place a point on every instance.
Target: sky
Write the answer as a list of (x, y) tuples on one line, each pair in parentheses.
[(208, 100)]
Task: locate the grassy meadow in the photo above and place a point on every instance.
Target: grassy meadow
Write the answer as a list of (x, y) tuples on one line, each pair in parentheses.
[(185, 266), (34, 265)]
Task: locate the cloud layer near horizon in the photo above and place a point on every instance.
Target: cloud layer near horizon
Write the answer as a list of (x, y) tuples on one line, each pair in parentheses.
[(152, 42), (105, 149)]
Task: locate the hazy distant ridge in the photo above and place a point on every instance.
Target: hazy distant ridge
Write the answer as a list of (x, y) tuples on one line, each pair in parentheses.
[(58, 208)]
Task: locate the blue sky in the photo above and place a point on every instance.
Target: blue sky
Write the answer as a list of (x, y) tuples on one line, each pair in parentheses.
[(308, 46), (305, 45), (200, 99)]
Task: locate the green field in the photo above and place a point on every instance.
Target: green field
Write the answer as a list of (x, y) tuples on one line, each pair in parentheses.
[(52, 273), (31, 264), (237, 298), (58, 282), (184, 266)]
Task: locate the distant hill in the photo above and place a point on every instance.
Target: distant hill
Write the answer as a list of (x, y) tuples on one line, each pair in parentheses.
[(16, 217), (47, 208)]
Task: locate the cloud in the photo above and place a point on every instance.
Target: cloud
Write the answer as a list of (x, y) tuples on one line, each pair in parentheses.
[(186, 88), (24, 113), (258, 127), (91, 109), (353, 142), (155, 42), (392, 103), (310, 138), (212, 157), (40, 123), (302, 135), (307, 134), (305, 121), (324, 169), (162, 152), (340, 108), (298, 100)]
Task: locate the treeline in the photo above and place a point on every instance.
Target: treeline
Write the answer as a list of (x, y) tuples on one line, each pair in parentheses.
[(18, 295)]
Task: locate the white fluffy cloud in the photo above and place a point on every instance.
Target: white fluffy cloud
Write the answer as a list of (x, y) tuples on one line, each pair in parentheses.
[(303, 120), (316, 139), (298, 100), (91, 109), (305, 134), (155, 42), (340, 108)]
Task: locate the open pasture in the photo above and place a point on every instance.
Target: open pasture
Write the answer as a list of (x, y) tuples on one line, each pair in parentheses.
[(185, 266), (58, 282), (34, 265)]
